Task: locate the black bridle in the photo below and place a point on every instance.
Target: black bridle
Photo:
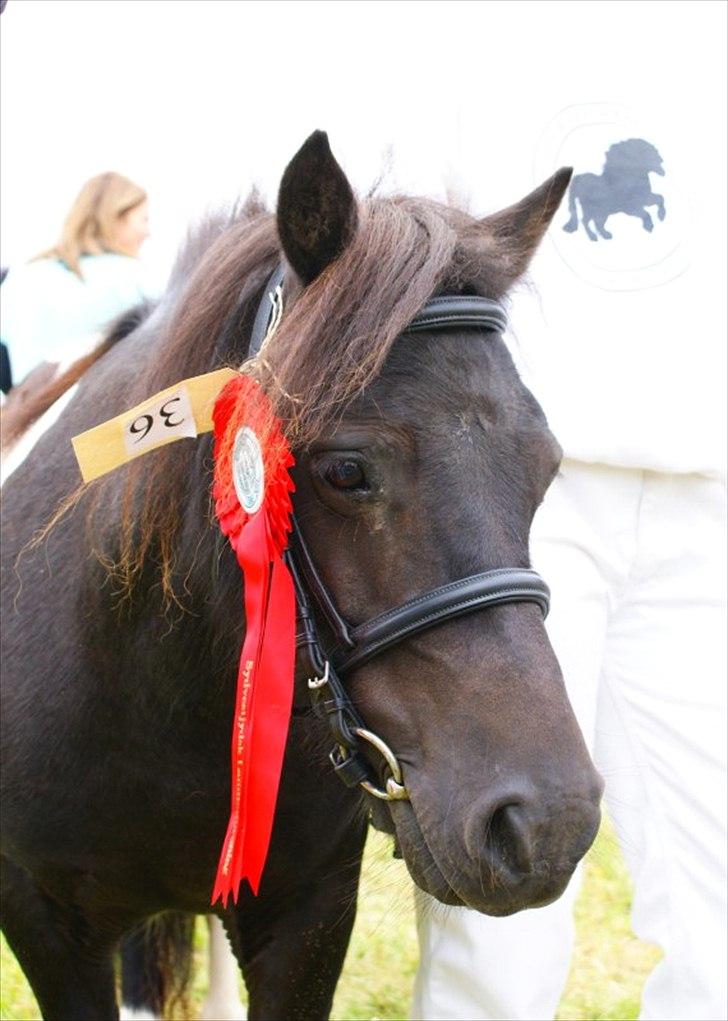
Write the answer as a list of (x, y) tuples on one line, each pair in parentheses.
[(354, 645)]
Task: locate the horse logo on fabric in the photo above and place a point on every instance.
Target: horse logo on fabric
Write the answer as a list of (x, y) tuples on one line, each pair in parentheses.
[(623, 187)]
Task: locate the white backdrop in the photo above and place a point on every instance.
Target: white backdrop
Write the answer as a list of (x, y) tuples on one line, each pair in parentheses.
[(196, 100)]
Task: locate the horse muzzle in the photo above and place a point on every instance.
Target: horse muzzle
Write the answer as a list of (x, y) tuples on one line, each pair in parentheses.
[(504, 854)]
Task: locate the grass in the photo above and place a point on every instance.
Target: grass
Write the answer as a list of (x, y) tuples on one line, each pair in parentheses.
[(608, 971)]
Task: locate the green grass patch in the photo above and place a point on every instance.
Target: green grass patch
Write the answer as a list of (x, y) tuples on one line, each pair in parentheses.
[(608, 970)]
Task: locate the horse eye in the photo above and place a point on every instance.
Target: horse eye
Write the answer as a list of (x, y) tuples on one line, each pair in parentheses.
[(346, 475)]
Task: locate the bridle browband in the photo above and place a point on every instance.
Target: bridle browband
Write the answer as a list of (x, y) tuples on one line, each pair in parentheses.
[(356, 645)]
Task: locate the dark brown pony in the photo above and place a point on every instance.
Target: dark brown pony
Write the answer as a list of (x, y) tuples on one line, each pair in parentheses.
[(420, 459)]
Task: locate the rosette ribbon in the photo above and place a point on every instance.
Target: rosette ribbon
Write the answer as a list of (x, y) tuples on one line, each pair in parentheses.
[(251, 490)]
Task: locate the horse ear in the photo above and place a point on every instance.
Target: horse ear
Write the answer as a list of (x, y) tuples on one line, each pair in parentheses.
[(316, 215), (518, 230)]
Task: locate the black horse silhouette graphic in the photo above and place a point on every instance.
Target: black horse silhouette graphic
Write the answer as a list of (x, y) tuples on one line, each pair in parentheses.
[(622, 187)]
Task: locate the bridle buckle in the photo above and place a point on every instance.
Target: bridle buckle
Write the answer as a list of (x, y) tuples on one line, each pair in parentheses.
[(314, 683)]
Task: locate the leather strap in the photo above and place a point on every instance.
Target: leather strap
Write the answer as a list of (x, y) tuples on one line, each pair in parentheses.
[(265, 310), (441, 313), (304, 562), (478, 592), (459, 310)]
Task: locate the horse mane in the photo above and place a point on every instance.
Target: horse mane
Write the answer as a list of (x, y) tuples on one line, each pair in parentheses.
[(331, 344), (622, 155)]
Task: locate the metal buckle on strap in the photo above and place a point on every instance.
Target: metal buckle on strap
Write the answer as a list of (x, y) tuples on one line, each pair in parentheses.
[(276, 300), (314, 683), (347, 762)]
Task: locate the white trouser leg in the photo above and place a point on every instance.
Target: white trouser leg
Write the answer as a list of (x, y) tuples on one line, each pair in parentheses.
[(222, 1002), (661, 743), (477, 967)]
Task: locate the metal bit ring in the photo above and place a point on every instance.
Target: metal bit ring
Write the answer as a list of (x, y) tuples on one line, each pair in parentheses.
[(394, 789)]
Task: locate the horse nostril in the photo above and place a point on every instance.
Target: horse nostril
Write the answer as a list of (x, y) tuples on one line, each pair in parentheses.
[(508, 838)]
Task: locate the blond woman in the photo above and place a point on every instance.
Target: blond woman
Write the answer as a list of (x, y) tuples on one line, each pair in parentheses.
[(54, 307)]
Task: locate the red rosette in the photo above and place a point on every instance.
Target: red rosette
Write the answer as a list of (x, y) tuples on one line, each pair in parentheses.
[(243, 415), (242, 402)]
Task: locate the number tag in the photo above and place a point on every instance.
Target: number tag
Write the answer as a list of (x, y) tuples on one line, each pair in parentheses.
[(183, 409), (160, 421)]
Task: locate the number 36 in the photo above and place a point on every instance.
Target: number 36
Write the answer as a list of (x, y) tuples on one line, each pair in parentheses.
[(140, 426)]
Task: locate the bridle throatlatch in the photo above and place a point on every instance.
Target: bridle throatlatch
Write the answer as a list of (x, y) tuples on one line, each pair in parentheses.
[(354, 645)]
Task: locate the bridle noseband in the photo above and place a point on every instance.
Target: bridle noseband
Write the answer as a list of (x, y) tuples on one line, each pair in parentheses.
[(355, 645)]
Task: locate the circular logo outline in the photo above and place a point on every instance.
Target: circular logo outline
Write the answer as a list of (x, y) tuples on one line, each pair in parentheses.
[(669, 263)]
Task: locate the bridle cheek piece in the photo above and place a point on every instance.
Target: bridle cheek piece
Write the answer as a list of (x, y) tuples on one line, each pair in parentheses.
[(355, 645)]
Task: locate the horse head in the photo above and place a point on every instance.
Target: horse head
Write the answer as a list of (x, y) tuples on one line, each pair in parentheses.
[(634, 156), (421, 460)]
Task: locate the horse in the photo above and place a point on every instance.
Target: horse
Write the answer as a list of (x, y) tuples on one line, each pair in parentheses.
[(420, 460), (622, 187)]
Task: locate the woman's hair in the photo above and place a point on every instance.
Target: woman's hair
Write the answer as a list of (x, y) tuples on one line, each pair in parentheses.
[(90, 227)]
